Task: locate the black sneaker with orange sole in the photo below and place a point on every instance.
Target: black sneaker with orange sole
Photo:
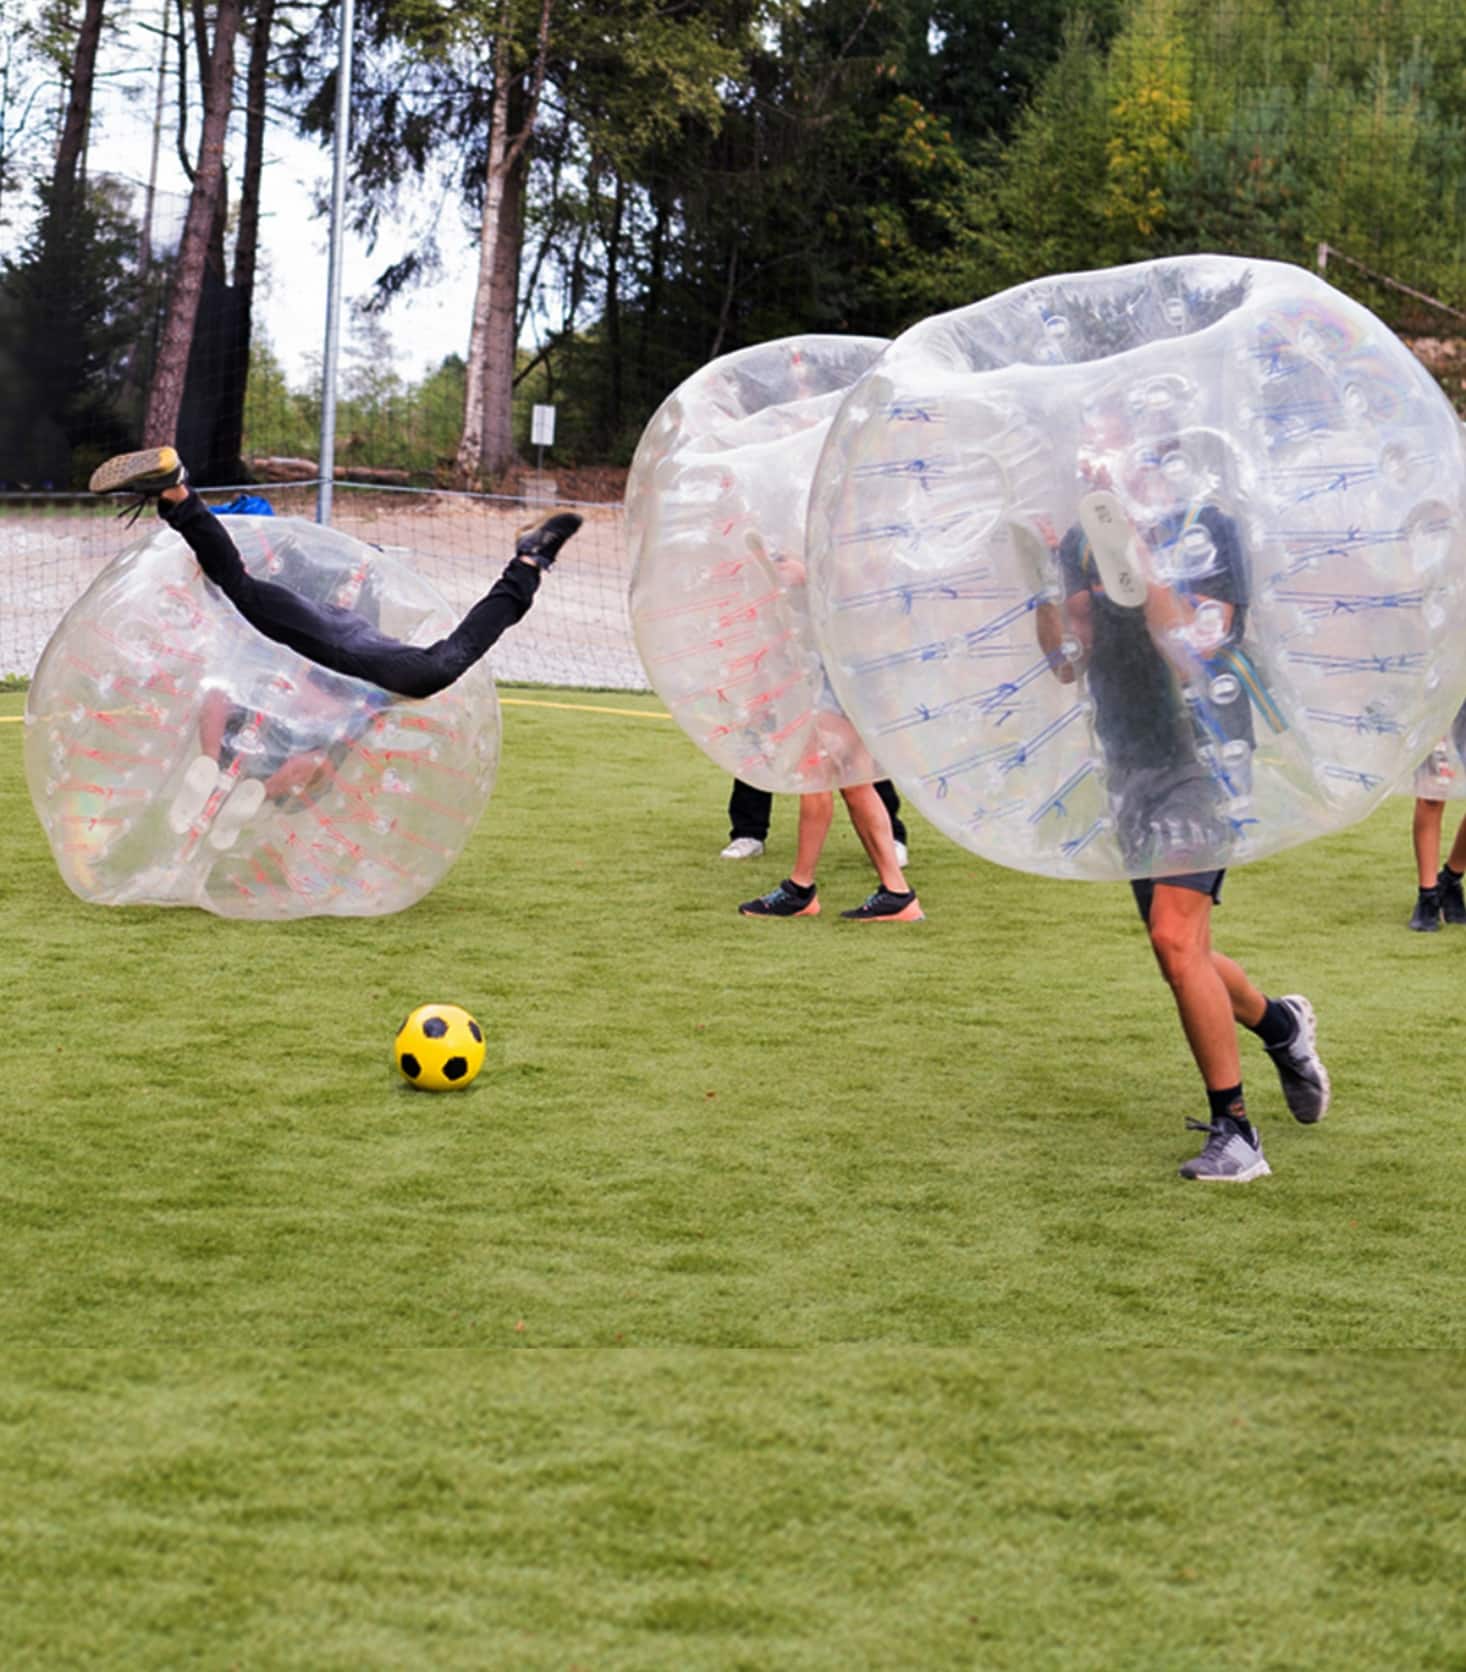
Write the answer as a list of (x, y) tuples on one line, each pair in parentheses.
[(886, 906), (787, 900)]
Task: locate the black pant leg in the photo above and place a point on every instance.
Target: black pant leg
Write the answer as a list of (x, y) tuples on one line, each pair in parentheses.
[(422, 670), (274, 610), (338, 639), (749, 811), (887, 792)]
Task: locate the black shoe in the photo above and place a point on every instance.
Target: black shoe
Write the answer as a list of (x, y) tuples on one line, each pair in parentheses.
[(787, 900), (1427, 914), (1453, 902), (541, 544), (144, 475), (886, 906)]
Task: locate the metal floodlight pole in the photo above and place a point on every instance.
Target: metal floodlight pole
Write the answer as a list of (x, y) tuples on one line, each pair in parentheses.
[(333, 270)]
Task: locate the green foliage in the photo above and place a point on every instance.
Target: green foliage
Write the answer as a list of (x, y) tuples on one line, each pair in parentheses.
[(704, 178), (279, 422), (383, 420), (70, 315), (1149, 98), (1040, 213)]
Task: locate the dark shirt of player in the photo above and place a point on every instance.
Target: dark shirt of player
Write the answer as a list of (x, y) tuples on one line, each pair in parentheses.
[(1140, 715)]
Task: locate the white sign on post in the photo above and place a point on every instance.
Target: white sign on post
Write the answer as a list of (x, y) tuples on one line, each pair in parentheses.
[(542, 426)]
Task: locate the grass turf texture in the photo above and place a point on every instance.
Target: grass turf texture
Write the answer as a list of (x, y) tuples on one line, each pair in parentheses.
[(937, 1160)]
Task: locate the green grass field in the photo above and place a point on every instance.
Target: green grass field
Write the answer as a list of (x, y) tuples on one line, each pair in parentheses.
[(797, 1294)]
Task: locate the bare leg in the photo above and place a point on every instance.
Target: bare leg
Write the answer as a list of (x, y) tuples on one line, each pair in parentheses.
[(1426, 832), (1457, 861), (1180, 937), (873, 826), (815, 813), (1248, 1002)]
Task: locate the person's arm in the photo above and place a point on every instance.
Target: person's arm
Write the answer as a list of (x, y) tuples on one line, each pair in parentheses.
[(213, 717), (1200, 621), (1049, 625), (1077, 611)]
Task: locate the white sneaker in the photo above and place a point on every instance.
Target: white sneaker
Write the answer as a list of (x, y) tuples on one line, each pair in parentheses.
[(743, 847), (199, 783), (903, 859), (242, 805)]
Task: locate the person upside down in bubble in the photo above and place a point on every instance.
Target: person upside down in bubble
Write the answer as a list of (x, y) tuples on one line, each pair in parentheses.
[(1155, 627), (278, 760)]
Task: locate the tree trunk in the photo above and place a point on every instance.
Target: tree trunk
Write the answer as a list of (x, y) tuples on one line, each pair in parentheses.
[(247, 246), (497, 451), (611, 400), (166, 393), (78, 118), (656, 275), (489, 379), (247, 242), (471, 441)]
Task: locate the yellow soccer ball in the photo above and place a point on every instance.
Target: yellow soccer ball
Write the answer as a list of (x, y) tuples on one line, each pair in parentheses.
[(439, 1048)]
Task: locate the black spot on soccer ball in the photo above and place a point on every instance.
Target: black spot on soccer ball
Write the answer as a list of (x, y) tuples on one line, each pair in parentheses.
[(411, 1067), (455, 1068), (434, 1027), (474, 1029)]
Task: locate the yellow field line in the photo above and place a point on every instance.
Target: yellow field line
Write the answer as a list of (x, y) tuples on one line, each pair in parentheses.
[(584, 708), (508, 702)]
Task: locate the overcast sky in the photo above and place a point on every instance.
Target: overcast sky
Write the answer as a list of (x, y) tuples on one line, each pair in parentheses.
[(424, 325)]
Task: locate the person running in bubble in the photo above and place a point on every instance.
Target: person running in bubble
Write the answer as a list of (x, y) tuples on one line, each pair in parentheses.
[(1439, 898), (797, 895), (340, 639), (1171, 769)]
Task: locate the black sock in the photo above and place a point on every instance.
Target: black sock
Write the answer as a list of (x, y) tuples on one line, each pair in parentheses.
[(1430, 896), (1276, 1025), (803, 890), (1453, 876), (1229, 1103)]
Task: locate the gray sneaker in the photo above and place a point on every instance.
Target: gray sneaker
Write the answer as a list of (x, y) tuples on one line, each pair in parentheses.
[(1228, 1156), (1305, 1079)]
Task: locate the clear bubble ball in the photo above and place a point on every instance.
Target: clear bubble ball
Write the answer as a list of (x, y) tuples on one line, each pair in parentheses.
[(715, 516), (1178, 586), (177, 757)]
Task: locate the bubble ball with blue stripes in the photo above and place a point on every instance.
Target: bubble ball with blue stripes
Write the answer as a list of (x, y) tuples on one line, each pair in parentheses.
[(1145, 571)]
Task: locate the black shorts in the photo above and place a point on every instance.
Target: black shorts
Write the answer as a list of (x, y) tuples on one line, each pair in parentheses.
[(1167, 815), (1200, 882)]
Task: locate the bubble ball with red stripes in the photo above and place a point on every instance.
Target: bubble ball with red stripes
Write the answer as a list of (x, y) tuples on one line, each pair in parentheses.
[(1145, 571), (176, 757), (715, 509)]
